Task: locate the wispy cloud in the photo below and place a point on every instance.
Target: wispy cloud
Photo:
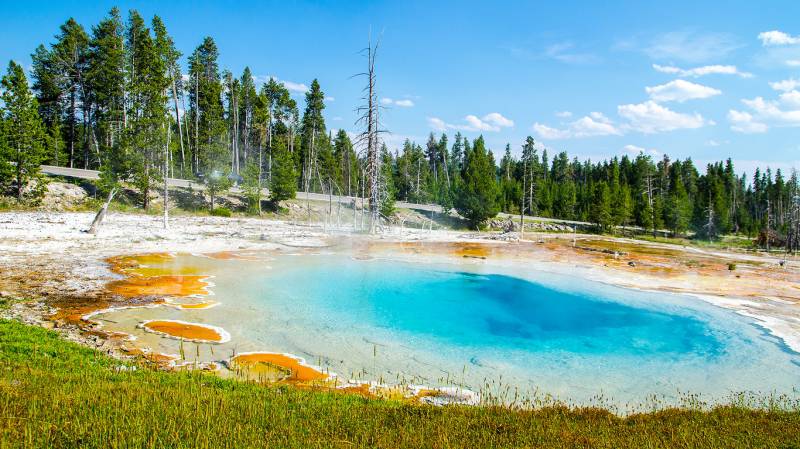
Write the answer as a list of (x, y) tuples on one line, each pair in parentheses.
[(680, 90), (491, 122), (404, 103), (785, 85), (650, 117), (563, 114), (497, 119), (566, 52), (635, 150), (749, 166), (594, 124), (289, 85), (702, 71), (780, 50), (295, 87), (745, 123), (783, 112), (691, 46), (549, 133)]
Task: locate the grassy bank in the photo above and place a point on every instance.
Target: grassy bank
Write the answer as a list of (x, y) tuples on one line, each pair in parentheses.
[(55, 393)]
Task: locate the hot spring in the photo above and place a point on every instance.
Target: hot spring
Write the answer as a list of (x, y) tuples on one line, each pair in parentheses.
[(507, 331)]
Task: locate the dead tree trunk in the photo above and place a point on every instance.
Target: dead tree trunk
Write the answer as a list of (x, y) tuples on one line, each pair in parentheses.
[(369, 138), (166, 179), (178, 119), (101, 214)]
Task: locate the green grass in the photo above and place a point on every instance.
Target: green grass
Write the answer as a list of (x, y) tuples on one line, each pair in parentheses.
[(724, 242), (221, 212), (54, 393)]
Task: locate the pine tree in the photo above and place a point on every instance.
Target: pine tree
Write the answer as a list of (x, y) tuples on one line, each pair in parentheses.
[(69, 54), (251, 186), (247, 104), (23, 134), (147, 132), (206, 110), (678, 210), (284, 177), (313, 134), (478, 194), (105, 80), (281, 117), (622, 206), (387, 184), (600, 211), (347, 173), (49, 97)]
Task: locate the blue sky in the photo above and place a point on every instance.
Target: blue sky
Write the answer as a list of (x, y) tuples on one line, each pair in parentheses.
[(597, 79)]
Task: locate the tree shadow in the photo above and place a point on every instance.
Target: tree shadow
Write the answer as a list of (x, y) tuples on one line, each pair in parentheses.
[(189, 199)]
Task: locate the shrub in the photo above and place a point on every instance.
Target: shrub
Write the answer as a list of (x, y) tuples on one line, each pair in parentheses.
[(731, 266), (221, 212)]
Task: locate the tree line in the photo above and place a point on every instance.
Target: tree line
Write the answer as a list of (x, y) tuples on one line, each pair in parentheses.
[(115, 98), (653, 195)]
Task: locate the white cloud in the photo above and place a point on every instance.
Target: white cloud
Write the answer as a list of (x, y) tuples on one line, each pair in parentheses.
[(793, 62), (791, 99), (437, 124), (702, 71), (491, 122), (636, 150), (294, 87), (289, 85), (477, 124), (691, 46), (770, 111), (395, 141), (775, 37), (749, 166), (785, 85), (329, 99), (650, 117), (546, 132), (743, 122), (594, 124), (715, 143), (406, 103), (498, 120), (564, 52), (680, 91), (563, 114)]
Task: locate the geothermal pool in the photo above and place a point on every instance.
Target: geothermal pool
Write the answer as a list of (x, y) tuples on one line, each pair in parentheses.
[(492, 328)]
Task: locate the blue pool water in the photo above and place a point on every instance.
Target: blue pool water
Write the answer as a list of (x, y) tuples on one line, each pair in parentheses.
[(489, 311), (487, 327)]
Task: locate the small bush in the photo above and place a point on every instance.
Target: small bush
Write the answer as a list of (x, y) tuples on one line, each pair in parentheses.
[(221, 212), (731, 266)]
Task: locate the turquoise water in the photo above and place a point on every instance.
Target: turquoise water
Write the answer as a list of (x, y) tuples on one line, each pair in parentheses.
[(508, 330), (485, 310)]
